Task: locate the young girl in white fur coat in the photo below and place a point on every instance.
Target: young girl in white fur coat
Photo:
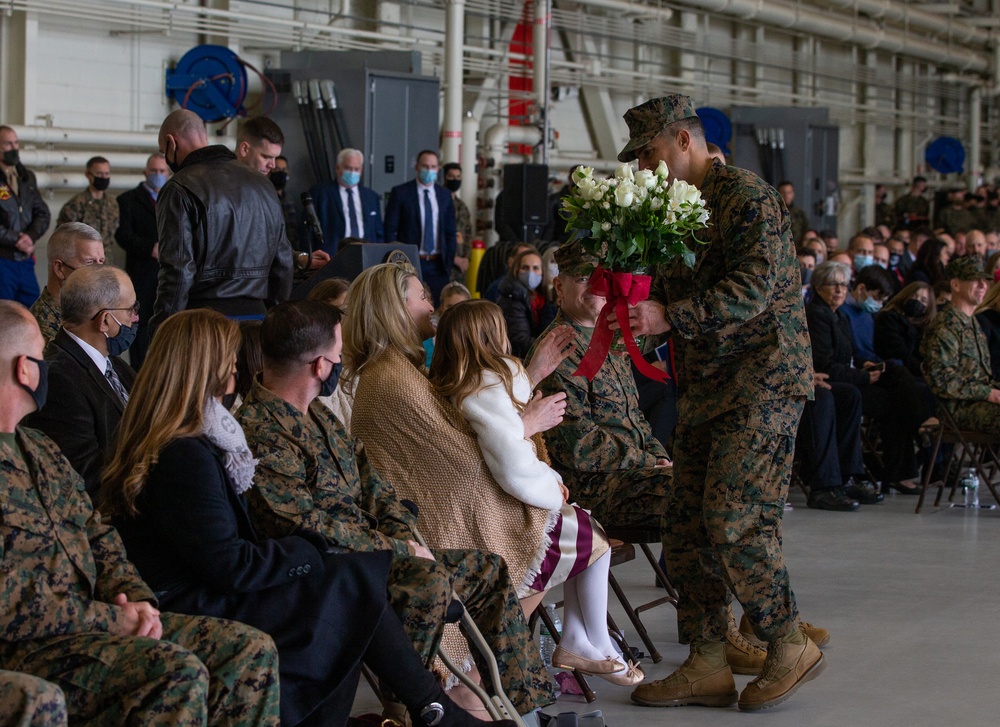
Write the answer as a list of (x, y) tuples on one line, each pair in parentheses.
[(472, 366)]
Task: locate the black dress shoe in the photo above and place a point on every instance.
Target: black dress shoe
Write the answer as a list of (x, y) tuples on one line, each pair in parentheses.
[(864, 491), (832, 499)]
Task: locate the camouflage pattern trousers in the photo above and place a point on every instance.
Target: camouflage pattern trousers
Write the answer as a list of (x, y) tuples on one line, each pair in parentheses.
[(420, 593), (976, 416), (204, 671), (722, 531), (636, 498), (27, 701)]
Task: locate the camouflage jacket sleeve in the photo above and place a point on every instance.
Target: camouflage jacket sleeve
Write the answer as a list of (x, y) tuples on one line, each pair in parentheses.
[(752, 229), (589, 441), (952, 365), (395, 521)]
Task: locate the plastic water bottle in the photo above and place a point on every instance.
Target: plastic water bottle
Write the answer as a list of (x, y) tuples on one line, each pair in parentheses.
[(547, 644), (970, 483)]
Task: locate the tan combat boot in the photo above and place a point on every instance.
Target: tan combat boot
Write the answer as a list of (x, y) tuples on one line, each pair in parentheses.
[(791, 661), (743, 655), (703, 679), (819, 636)]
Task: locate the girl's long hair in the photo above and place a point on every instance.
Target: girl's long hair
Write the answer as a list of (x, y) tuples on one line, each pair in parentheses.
[(472, 338), (378, 319), (190, 359), (899, 300)]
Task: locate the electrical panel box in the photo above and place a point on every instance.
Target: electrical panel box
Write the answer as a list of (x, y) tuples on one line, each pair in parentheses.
[(795, 144)]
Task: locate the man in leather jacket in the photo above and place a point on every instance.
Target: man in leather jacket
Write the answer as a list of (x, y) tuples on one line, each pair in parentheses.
[(221, 229), (24, 217)]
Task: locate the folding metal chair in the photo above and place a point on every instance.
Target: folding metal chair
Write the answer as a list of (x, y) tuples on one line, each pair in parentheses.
[(975, 449)]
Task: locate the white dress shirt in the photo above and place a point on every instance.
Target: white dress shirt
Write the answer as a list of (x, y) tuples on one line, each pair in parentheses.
[(434, 214), (346, 212)]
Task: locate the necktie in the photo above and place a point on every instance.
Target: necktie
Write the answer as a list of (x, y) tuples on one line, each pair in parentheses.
[(355, 232), (12, 180), (428, 224), (116, 383)]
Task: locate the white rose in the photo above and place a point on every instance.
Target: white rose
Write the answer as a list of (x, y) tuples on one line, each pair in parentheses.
[(606, 205), (606, 226), (645, 179), (661, 170), (684, 192), (656, 203), (625, 172), (624, 196), (581, 173)]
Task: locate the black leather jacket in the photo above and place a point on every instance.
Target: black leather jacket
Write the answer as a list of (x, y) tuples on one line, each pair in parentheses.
[(222, 239), (23, 212)]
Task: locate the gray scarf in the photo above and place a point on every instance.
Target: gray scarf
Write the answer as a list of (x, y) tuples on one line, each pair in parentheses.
[(225, 432)]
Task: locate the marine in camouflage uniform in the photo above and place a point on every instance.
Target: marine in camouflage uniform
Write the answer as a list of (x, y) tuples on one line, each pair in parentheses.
[(465, 235), (958, 219), (61, 571), (27, 701), (101, 214), (309, 476), (604, 448), (744, 372), (47, 312), (912, 211), (800, 222), (956, 359)]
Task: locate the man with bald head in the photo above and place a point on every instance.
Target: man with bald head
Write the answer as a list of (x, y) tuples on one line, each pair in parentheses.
[(88, 381), (73, 245), (222, 242)]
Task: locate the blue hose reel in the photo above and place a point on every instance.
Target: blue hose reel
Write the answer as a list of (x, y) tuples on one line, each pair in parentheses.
[(210, 80), (945, 155)]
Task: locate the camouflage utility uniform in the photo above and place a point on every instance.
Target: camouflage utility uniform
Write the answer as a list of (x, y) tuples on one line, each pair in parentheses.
[(958, 219), (744, 372), (47, 312), (27, 701), (60, 572), (800, 222), (957, 368), (465, 236), (309, 476), (101, 214), (912, 211), (604, 449)]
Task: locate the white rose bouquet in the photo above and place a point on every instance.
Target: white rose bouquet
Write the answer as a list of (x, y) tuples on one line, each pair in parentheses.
[(634, 221), (630, 222)]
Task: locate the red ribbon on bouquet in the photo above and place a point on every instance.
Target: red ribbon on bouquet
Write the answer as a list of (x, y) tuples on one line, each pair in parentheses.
[(621, 290)]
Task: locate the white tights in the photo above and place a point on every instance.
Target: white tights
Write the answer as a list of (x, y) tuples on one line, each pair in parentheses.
[(585, 612)]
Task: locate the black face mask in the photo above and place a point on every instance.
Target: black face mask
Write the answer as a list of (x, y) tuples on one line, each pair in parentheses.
[(914, 308), (175, 166), (11, 157), (101, 183), (41, 392), (453, 185), (279, 178), (228, 400), (119, 343), (329, 385)]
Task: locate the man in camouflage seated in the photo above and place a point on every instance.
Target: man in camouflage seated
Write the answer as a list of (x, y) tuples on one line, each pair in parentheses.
[(309, 476), (27, 701), (73, 609)]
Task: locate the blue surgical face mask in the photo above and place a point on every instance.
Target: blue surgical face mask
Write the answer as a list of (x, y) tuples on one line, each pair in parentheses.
[(350, 179), (530, 280), (863, 261), (427, 176), (871, 305), (156, 181), (119, 343)]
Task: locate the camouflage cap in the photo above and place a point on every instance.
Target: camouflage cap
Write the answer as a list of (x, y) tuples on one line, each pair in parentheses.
[(967, 267), (572, 259), (649, 119)]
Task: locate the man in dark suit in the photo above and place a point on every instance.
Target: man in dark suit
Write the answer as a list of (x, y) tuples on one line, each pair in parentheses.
[(138, 237), (88, 382), (421, 213), (345, 208)]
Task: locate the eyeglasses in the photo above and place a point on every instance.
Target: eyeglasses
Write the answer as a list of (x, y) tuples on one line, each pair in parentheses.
[(835, 286), (134, 308)]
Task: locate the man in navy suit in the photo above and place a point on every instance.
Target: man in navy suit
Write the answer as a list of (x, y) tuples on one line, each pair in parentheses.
[(344, 207), (421, 213)]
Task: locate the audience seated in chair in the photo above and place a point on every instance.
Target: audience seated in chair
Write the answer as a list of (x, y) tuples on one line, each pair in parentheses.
[(526, 310), (176, 486), (900, 325), (309, 477), (76, 612), (88, 381), (956, 356)]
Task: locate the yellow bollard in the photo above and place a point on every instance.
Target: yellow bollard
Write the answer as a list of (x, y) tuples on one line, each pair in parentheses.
[(475, 257)]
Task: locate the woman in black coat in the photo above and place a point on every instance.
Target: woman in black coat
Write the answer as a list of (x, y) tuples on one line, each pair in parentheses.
[(175, 490), (890, 397), (900, 324), (526, 311)]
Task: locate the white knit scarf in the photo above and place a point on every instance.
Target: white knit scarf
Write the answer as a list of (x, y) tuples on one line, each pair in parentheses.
[(225, 432)]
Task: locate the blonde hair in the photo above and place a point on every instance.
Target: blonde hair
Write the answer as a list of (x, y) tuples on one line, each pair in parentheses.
[(472, 338), (379, 320), (190, 359), (991, 301)]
